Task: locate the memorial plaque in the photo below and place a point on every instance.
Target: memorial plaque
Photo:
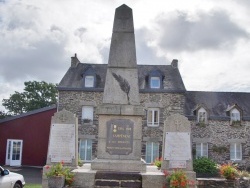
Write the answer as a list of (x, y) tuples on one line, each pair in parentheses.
[(177, 164), (177, 146), (62, 143), (119, 137)]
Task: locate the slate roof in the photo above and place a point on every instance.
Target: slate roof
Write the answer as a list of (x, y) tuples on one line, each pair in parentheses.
[(217, 103), (73, 79)]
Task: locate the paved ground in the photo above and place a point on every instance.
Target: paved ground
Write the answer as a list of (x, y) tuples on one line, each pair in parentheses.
[(31, 174)]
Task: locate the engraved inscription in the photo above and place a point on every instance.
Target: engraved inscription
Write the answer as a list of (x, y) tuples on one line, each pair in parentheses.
[(177, 146), (62, 143), (177, 164), (119, 137)]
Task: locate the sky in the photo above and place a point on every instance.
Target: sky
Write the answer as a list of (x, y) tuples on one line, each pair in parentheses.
[(210, 39)]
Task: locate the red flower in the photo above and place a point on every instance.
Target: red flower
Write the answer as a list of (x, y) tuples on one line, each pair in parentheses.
[(165, 172), (47, 167)]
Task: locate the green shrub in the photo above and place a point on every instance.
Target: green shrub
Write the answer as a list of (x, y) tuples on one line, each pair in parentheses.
[(204, 165)]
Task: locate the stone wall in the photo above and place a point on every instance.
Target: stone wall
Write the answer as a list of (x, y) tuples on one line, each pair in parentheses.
[(219, 135), (168, 103)]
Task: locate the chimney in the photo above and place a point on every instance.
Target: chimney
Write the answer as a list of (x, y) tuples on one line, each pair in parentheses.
[(174, 63), (74, 61)]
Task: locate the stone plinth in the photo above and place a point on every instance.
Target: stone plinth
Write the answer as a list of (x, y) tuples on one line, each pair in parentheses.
[(119, 143)]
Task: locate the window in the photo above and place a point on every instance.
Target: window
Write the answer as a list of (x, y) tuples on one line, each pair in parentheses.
[(202, 115), (85, 149), (235, 151), (155, 82), (153, 117), (235, 115), (89, 81), (87, 114), (152, 151), (201, 150)]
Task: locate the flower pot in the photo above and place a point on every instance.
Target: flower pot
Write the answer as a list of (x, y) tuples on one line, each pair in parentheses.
[(56, 181)]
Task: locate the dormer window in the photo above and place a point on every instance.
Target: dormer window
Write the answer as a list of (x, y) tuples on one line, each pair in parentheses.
[(89, 77), (89, 81), (201, 113), (155, 78), (202, 116), (235, 115), (234, 112), (155, 82)]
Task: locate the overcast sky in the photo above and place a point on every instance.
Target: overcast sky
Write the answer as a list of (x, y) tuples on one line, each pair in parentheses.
[(210, 38)]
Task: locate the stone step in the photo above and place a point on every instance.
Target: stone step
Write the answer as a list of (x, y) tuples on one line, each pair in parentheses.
[(106, 179)]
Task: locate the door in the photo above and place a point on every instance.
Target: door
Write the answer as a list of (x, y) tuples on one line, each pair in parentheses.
[(14, 152)]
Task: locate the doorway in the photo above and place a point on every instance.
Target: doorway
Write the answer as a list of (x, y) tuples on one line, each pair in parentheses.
[(14, 152)]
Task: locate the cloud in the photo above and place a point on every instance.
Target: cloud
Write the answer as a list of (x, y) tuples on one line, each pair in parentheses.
[(208, 31), (80, 33), (145, 53), (42, 62)]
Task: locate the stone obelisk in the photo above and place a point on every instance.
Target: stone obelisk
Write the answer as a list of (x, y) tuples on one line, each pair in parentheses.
[(120, 115)]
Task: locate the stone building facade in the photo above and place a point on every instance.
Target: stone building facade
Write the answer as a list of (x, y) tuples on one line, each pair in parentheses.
[(215, 136), (220, 120)]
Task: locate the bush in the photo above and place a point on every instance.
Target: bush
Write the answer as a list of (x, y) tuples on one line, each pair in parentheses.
[(204, 165), (158, 162), (229, 171)]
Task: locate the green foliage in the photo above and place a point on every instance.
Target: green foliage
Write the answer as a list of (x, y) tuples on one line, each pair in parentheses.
[(4, 115), (244, 173), (204, 165), (36, 95), (59, 170), (178, 179), (219, 149), (229, 171), (31, 185), (80, 163), (158, 162)]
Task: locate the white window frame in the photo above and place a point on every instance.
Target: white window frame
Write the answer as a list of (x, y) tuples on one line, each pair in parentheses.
[(153, 82), (202, 115), (153, 116), (89, 81), (88, 112), (235, 151), (85, 144), (152, 152), (201, 150), (235, 115)]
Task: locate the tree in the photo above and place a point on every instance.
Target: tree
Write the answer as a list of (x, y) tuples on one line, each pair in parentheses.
[(36, 95), (4, 115)]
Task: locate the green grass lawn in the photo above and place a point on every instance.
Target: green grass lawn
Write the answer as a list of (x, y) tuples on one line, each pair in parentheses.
[(30, 185)]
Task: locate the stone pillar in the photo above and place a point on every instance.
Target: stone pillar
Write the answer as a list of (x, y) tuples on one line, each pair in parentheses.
[(120, 116)]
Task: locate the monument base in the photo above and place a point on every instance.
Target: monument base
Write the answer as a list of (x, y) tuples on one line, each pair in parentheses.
[(119, 165), (86, 177)]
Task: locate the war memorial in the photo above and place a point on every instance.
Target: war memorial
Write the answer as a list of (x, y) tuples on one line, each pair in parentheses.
[(127, 115)]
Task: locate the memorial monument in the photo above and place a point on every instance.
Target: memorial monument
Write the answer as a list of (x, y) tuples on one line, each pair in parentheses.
[(118, 162), (177, 146), (63, 141), (120, 116)]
